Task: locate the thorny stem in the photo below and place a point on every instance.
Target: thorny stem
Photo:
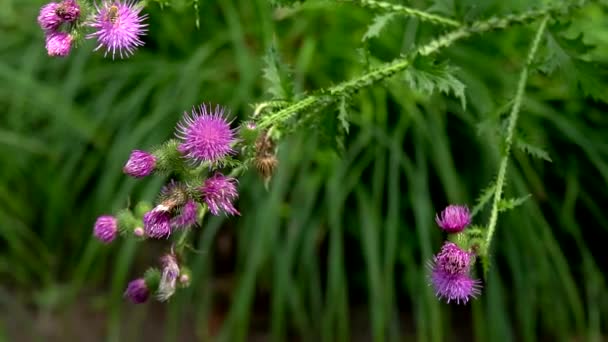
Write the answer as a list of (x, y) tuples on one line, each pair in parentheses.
[(523, 77), (181, 243), (400, 9), (326, 96)]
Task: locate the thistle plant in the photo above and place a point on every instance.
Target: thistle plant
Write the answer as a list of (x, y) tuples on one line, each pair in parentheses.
[(210, 152)]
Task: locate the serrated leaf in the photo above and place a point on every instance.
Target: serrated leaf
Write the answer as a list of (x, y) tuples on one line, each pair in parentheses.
[(484, 198), (510, 203), (278, 76), (427, 76), (532, 150), (377, 26), (343, 115)]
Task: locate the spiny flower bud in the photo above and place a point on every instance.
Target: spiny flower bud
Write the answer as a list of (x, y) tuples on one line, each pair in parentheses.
[(48, 18), (265, 159), (454, 218), (157, 222), (68, 10), (140, 164), (105, 229)]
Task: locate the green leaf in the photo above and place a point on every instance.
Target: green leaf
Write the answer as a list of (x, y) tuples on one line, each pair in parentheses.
[(278, 76), (484, 197), (532, 150), (510, 203), (427, 76), (377, 26)]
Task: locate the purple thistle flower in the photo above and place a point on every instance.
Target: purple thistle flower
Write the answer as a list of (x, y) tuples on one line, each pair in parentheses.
[(105, 229), (219, 192), (68, 10), (137, 291), (454, 287), (58, 43), (454, 218), (140, 164), (450, 278), (119, 26), (206, 136), (48, 18), (168, 279), (157, 222), (187, 215)]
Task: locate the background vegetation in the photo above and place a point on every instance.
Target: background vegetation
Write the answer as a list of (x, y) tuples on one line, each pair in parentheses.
[(336, 249)]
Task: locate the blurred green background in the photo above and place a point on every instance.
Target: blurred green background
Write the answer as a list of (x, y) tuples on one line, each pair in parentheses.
[(336, 250)]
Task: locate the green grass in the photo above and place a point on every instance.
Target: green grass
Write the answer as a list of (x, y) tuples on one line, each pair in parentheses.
[(336, 233)]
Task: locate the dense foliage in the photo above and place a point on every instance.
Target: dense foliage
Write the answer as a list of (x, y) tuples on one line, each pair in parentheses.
[(383, 115)]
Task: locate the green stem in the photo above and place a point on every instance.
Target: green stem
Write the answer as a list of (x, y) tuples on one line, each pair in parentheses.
[(400, 9), (181, 243), (326, 96), (519, 94)]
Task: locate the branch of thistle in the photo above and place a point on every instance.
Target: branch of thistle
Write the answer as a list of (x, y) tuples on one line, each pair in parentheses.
[(408, 11), (523, 77), (327, 96)]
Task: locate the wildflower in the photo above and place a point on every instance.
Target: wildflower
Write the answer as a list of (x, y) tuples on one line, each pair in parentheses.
[(157, 222), (219, 192), (454, 218), (105, 229), (68, 11), (187, 215), (168, 279), (206, 136), (140, 164), (450, 274), (119, 26), (48, 18), (137, 291), (58, 43)]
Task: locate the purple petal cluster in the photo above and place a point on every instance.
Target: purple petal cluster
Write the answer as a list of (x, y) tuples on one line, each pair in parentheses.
[(105, 229), (205, 136), (137, 291), (118, 27), (157, 222), (454, 218), (450, 274), (140, 164), (219, 192), (50, 19), (187, 215)]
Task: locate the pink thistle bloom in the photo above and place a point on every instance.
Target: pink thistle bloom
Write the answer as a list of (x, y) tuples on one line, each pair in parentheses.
[(219, 192), (68, 11), (187, 215), (137, 291), (157, 222), (48, 18), (450, 277), (206, 136), (140, 164), (119, 26), (58, 43), (105, 229), (454, 218)]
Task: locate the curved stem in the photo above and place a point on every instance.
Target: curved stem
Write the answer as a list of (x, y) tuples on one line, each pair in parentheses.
[(408, 11), (326, 96), (519, 94)]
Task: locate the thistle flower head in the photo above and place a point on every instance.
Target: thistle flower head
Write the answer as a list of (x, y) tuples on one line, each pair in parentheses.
[(450, 278), (219, 192), (48, 18), (58, 43), (170, 272), (118, 27), (174, 194), (187, 215), (454, 287), (454, 218), (137, 291), (105, 229), (205, 136), (157, 222), (140, 164), (68, 10)]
